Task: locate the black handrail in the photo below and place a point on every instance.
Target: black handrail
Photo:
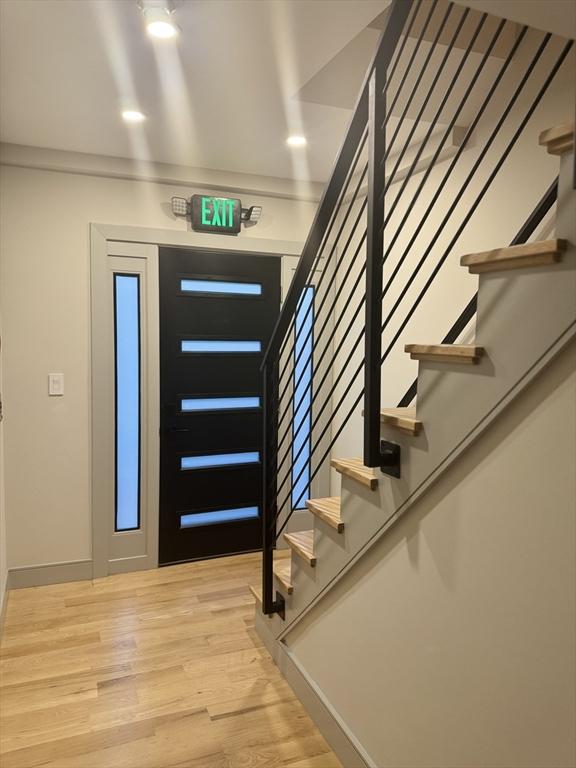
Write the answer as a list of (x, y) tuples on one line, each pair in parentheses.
[(351, 300), (461, 227), (387, 47), (327, 207)]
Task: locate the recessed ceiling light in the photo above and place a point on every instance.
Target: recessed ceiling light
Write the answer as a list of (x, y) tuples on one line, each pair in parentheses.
[(133, 116), (159, 22), (296, 141)]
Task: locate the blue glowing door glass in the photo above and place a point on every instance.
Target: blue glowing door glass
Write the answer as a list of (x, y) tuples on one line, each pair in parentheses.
[(127, 401), (303, 364)]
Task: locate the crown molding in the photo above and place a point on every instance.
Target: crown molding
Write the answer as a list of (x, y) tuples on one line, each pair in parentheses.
[(39, 158)]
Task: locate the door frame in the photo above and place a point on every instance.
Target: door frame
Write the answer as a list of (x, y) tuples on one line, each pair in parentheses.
[(122, 552)]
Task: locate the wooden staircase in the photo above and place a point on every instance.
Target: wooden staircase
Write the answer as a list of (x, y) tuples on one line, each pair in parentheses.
[(327, 512), (355, 469), (445, 353)]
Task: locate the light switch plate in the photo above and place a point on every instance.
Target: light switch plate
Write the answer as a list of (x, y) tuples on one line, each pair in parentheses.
[(55, 384)]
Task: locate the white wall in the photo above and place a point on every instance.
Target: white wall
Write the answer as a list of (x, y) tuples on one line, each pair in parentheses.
[(3, 560), (453, 642), (45, 303)]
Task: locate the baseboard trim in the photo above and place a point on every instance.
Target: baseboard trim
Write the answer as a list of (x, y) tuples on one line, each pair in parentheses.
[(49, 573), (329, 723), (3, 604), (131, 564)]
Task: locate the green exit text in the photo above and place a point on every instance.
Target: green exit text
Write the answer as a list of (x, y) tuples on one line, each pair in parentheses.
[(217, 212)]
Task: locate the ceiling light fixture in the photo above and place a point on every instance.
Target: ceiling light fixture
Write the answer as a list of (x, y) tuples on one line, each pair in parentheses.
[(296, 141), (158, 18), (133, 116)]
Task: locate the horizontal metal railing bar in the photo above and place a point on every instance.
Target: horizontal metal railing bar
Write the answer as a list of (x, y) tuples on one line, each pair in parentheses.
[(451, 336), (414, 88), (405, 37), (486, 186), (408, 68), (326, 212), (466, 184), (441, 106), (318, 309), (528, 228), (327, 318), (456, 157), (318, 387), (401, 120), (511, 144), (447, 94), (448, 91), (288, 369), (387, 44), (332, 442), (468, 313), (372, 454), (325, 241)]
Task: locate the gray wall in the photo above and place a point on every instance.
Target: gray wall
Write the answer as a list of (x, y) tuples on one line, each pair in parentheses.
[(45, 299), (452, 643), (3, 560)]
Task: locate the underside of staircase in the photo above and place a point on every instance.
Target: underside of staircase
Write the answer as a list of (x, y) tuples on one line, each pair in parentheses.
[(461, 389)]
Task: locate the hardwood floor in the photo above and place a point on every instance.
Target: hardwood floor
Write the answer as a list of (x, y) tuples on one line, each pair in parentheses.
[(156, 669)]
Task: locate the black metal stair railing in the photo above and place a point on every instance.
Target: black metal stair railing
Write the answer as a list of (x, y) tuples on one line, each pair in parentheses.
[(378, 229)]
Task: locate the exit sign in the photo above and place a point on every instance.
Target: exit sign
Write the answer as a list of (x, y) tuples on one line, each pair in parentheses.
[(216, 214)]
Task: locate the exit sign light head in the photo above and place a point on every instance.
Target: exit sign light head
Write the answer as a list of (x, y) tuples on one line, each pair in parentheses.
[(216, 214)]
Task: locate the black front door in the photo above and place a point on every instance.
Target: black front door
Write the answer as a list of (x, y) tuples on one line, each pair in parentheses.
[(217, 313)]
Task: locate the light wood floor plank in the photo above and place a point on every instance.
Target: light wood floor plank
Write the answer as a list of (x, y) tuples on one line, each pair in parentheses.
[(156, 669)]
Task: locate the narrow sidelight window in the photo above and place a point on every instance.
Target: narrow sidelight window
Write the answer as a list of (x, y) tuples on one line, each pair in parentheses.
[(302, 399), (219, 516), (221, 287), (127, 401)]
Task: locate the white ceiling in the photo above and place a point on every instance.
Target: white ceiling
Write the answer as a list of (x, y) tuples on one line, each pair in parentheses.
[(222, 96), (241, 77)]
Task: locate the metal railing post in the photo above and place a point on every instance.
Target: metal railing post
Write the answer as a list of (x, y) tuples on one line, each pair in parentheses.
[(374, 266), (326, 215), (269, 501), (376, 453), (267, 498)]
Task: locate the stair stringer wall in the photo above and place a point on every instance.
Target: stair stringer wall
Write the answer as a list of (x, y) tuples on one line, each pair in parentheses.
[(452, 642)]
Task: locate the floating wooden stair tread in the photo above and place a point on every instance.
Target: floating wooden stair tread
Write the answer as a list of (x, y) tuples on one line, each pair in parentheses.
[(327, 510), (283, 572), (355, 469), (559, 139), (515, 257), (302, 542), (445, 353), (401, 418)]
